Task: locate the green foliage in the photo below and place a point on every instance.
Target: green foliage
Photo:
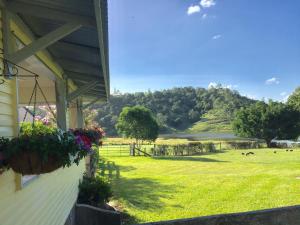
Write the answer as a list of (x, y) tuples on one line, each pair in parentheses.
[(175, 109), (94, 191), (213, 121), (46, 141), (267, 121), (28, 129), (137, 122), (294, 99), (3, 145)]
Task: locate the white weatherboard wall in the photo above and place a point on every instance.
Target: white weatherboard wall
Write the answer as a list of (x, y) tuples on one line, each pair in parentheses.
[(8, 110), (46, 200)]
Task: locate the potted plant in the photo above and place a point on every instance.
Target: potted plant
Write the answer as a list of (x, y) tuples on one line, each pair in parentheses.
[(88, 138), (3, 143), (42, 149)]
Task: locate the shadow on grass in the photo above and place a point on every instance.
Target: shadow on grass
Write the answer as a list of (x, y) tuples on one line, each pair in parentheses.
[(110, 170), (187, 158), (143, 193), (138, 193)]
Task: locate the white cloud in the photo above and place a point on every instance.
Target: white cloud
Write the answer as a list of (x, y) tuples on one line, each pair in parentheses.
[(285, 99), (217, 36), (218, 85), (207, 3), (283, 93), (254, 97), (212, 85), (231, 86), (193, 9), (272, 80), (204, 16)]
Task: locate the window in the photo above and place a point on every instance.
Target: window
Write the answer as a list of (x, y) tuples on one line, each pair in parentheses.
[(25, 180)]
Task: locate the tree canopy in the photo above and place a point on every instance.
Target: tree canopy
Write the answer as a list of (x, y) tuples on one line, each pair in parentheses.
[(294, 99), (137, 122), (175, 109), (267, 121)]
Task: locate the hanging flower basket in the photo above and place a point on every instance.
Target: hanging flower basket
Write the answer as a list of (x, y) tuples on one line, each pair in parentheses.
[(28, 163), (3, 144), (41, 149)]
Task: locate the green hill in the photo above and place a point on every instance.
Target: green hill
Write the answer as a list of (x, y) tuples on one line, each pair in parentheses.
[(184, 109), (211, 122)]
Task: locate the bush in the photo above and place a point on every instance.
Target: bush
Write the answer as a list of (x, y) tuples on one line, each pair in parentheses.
[(94, 191), (209, 147), (3, 145), (27, 129), (244, 144)]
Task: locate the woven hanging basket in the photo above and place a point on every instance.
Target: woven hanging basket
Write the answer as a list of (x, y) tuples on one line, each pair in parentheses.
[(30, 163), (1, 163)]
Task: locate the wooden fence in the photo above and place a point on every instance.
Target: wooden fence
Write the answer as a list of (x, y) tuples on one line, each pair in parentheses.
[(192, 148)]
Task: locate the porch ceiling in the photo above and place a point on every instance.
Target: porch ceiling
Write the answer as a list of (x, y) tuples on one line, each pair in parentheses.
[(83, 54)]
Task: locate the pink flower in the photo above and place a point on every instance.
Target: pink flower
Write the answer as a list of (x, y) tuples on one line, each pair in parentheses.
[(46, 121)]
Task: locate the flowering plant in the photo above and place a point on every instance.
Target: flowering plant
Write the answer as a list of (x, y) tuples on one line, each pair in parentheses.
[(85, 138), (3, 144), (40, 149)]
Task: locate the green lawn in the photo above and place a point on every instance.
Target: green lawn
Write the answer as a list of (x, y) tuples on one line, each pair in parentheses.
[(153, 189)]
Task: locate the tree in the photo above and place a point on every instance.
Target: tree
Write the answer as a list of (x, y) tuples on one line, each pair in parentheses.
[(267, 121), (137, 122), (176, 109), (294, 99)]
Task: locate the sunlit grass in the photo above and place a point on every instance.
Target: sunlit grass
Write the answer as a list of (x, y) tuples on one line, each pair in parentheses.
[(153, 189)]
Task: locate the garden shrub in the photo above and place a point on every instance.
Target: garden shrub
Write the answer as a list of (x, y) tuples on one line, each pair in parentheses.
[(209, 147), (94, 191)]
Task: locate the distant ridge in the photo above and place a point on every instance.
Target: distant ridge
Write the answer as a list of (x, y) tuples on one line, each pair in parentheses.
[(185, 109)]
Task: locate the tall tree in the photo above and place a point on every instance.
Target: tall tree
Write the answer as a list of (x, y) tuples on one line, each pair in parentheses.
[(137, 122), (267, 121), (294, 99)]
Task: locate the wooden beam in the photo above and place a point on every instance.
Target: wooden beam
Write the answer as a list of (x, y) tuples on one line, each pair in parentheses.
[(103, 53), (61, 104), (7, 40), (91, 103), (80, 119), (80, 67), (81, 90), (80, 52), (7, 34), (43, 42), (84, 77), (49, 13)]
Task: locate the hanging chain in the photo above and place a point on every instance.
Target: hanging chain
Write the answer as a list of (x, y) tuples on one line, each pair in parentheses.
[(11, 69)]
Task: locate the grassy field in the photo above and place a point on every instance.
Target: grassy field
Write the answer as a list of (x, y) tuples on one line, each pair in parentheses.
[(153, 189), (211, 122)]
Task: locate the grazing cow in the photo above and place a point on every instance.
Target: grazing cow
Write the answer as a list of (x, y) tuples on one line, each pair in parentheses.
[(243, 153), (275, 152), (287, 150), (291, 150)]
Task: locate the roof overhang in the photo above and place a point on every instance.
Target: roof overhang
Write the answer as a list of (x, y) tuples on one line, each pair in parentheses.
[(79, 41)]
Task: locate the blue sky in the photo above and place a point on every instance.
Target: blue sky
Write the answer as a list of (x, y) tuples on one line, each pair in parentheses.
[(252, 46)]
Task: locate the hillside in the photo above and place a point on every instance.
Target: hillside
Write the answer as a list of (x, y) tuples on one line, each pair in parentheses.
[(211, 122), (184, 109)]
